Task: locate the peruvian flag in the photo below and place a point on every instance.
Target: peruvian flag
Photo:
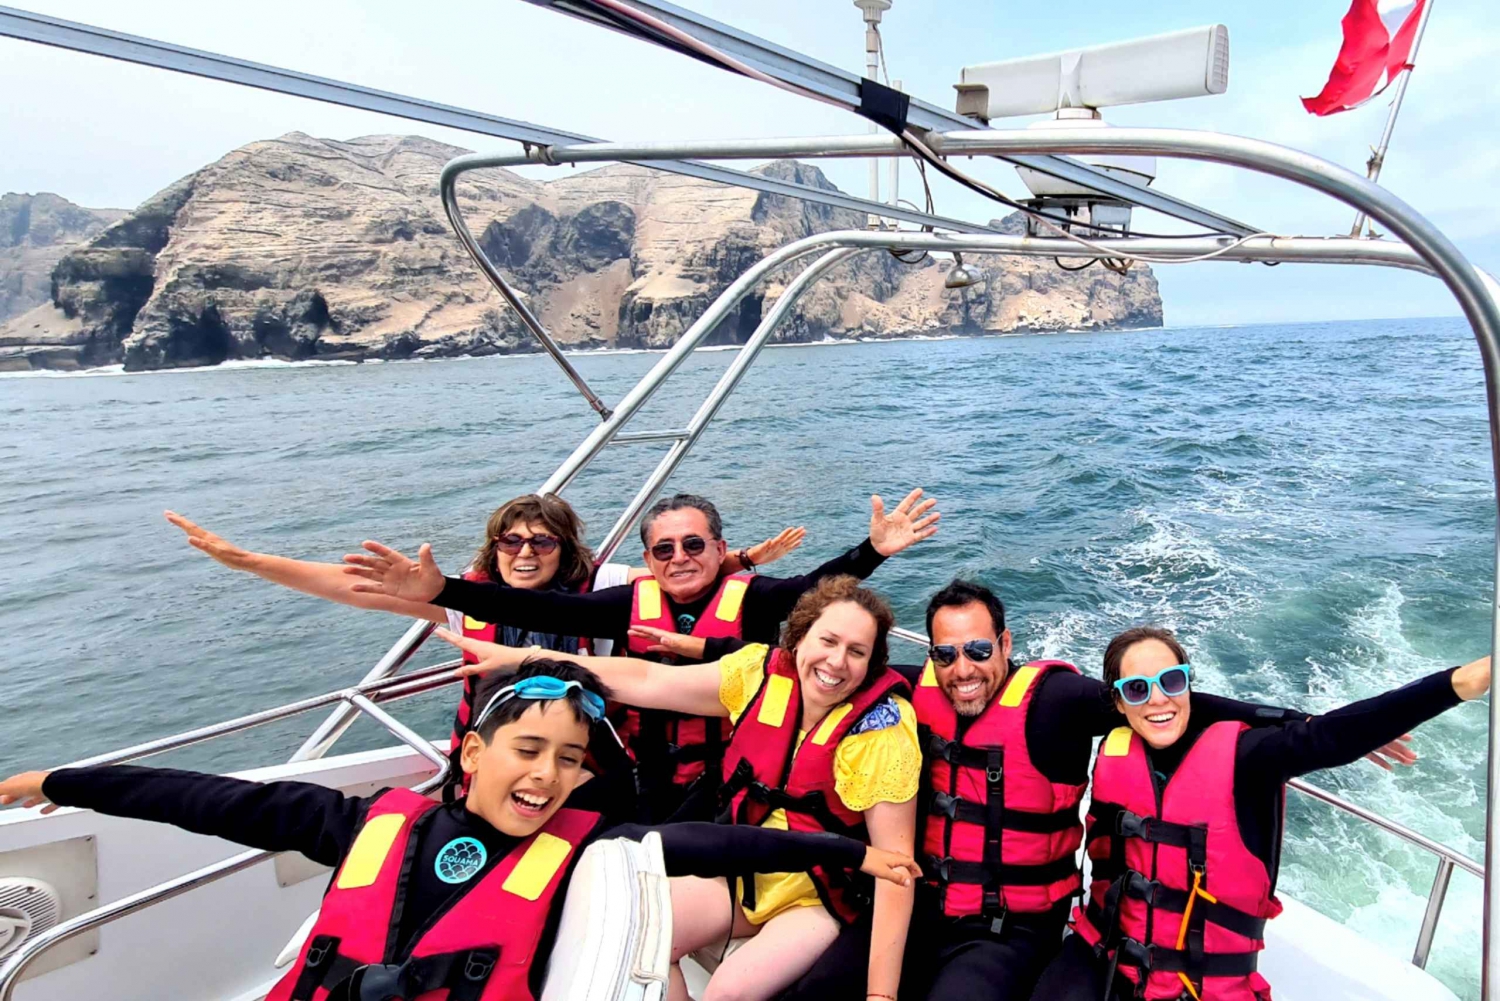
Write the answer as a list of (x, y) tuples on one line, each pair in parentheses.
[(1378, 36)]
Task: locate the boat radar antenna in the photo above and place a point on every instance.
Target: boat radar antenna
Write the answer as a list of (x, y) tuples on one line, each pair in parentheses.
[(873, 11)]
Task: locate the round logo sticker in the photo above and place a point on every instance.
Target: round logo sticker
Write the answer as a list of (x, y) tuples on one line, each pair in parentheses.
[(459, 860)]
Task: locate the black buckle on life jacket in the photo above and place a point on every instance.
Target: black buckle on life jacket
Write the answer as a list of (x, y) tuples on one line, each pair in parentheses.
[(480, 963), (939, 867), (317, 967), (1134, 953), (322, 949), (1132, 825), (944, 805), (1135, 884)]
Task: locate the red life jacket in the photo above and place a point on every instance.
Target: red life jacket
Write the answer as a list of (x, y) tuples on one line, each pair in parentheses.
[(481, 948), (765, 770), (998, 834), (1150, 846), (680, 745)]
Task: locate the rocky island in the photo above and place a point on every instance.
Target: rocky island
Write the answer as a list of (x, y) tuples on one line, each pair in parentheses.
[(300, 248)]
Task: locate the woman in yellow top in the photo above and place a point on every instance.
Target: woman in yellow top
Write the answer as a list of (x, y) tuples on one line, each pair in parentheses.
[(832, 654)]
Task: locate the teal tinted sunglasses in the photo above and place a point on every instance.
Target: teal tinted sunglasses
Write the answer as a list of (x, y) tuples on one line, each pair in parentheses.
[(1172, 681), (544, 688)]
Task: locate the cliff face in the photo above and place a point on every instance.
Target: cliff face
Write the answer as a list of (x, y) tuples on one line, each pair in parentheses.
[(35, 232), (299, 247)]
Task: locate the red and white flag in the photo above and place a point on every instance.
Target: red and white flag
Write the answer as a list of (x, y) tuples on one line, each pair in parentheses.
[(1378, 36)]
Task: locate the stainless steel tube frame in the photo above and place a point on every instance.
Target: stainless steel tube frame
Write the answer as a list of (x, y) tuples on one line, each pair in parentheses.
[(332, 728), (447, 187), (743, 359), (16, 964)]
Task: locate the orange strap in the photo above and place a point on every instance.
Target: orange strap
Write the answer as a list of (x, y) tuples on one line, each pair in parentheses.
[(1182, 929)]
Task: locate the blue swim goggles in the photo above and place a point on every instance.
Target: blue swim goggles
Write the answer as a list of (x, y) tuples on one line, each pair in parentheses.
[(1172, 681), (545, 688)]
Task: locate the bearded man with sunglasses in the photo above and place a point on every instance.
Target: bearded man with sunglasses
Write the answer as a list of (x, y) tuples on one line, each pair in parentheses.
[(688, 610), (1006, 751)]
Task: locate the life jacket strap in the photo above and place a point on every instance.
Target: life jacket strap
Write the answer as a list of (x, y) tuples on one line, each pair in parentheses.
[(965, 811), (1154, 894), (812, 804), (954, 752), (1115, 821), (1156, 959), (946, 869), (463, 974)]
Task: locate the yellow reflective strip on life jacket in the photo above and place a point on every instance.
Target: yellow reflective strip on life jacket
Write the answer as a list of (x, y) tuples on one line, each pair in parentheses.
[(929, 676), (648, 596), (830, 723), (1016, 690), (362, 865), (1117, 744), (773, 704), (537, 867), (474, 624), (731, 599)]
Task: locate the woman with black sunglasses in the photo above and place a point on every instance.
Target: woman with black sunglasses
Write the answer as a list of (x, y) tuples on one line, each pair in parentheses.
[(1184, 828)]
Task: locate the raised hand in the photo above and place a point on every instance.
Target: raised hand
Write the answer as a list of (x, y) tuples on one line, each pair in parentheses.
[(1396, 752), (777, 546), (26, 789), (891, 866), (204, 541), (666, 641), (492, 656), (907, 525), (394, 575)]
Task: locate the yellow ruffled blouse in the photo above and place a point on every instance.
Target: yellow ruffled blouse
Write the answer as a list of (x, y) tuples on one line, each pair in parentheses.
[(882, 763)]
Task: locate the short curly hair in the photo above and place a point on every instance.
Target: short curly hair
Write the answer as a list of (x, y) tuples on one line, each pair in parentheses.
[(831, 591)]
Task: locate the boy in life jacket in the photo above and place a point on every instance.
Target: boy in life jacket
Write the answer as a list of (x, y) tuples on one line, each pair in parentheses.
[(688, 593), (824, 741), (1185, 823), (1006, 751), (449, 902)]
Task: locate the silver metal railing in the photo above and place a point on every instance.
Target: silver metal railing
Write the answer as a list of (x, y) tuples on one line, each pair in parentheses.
[(362, 698)]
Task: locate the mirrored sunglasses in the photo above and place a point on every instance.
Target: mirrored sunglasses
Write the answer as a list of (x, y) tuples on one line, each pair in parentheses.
[(943, 654)]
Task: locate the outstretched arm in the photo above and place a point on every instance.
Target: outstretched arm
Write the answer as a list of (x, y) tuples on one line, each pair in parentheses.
[(684, 688), (1344, 735), (322, 580), (699, 849), (274, 816)]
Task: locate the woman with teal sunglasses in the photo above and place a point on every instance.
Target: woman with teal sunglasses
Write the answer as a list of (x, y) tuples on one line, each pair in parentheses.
[(1184, 827)]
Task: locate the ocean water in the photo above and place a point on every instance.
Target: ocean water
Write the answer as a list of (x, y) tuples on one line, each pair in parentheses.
[(1310, 505)]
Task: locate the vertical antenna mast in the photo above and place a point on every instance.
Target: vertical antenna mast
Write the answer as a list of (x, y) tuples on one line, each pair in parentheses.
[(872, 11)]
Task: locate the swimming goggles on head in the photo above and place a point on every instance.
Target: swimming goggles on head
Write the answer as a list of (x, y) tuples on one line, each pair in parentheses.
[(1172, 681), (545, 688), (943, 654)]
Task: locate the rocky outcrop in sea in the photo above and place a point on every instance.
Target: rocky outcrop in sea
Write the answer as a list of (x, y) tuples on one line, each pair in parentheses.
[(35, 232), (300, 248)]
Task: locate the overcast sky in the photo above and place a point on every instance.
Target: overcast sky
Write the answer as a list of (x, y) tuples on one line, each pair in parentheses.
[(104, 133)]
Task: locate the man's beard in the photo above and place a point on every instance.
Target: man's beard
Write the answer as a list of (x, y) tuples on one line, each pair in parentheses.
[(969, 707)]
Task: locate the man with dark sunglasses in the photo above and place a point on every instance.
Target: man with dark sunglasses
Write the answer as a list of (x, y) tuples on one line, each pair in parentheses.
[(687, 595), (1006, 755)]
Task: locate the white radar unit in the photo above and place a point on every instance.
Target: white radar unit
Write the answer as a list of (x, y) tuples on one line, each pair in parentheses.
[(1074, 85)]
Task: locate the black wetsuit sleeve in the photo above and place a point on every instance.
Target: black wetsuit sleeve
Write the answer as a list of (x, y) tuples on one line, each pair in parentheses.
[(273, 816), (1069, 710), (719, 647), (1271, 756), (594, 613), (770, 599), (696, 849)]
